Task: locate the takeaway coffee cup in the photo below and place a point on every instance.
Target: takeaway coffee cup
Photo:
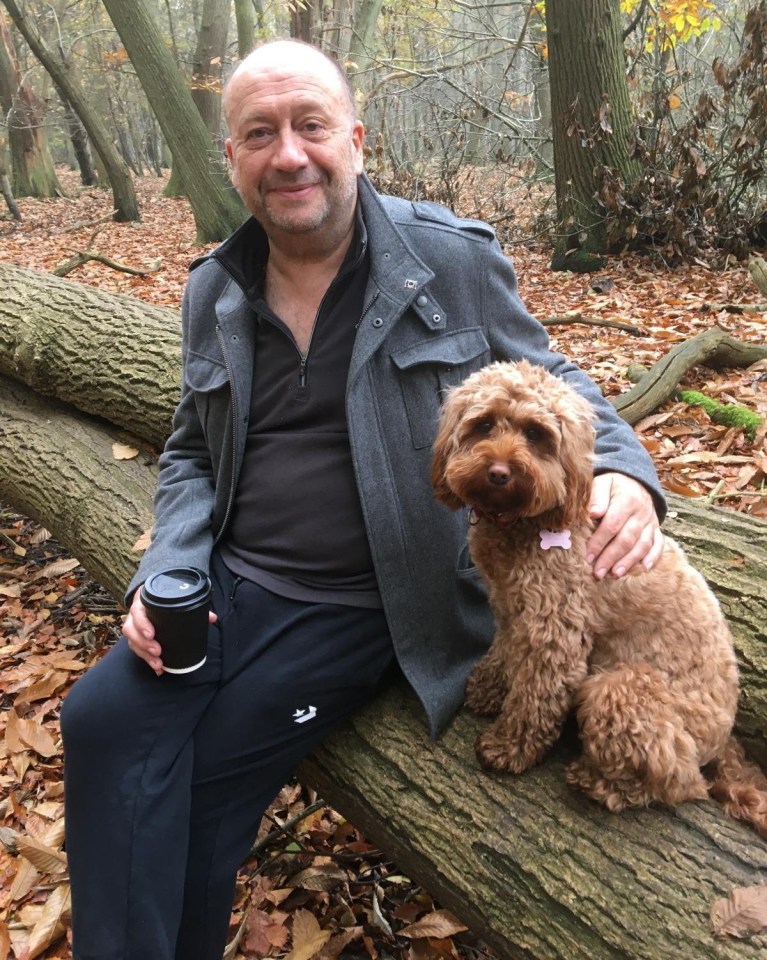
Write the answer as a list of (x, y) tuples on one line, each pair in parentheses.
[(176, 602)]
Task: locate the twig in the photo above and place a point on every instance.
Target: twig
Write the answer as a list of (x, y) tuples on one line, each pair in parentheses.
[(593, 322), (83, 256), (86, 223), (284, 828), (734, 307)]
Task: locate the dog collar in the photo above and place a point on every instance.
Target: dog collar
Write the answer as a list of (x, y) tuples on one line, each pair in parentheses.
[(497, 519)]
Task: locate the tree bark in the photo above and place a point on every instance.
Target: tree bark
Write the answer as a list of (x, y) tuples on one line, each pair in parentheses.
[(109, 355), (216, 206), (32, 170), (207, 69), (125, 203), (534, 868), (591, 115)]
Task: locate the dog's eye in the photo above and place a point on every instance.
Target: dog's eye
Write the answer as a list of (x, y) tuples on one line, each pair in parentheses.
[(534, 433), (483, 426)]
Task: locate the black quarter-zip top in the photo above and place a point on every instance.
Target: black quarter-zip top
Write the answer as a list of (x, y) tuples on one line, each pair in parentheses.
[(297, 526)]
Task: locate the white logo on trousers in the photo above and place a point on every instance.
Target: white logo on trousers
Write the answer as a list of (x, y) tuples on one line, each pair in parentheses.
[(301, 716)]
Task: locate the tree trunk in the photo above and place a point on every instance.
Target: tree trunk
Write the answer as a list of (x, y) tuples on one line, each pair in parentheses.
[(592, 120), (80, 145), (245, 15), (534, 868), (126, 205), (207, 68), (32, 170), (361, 48), (109, 355), (216, 206)]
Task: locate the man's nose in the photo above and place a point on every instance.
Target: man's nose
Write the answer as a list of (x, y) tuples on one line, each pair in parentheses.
[(289, 153)]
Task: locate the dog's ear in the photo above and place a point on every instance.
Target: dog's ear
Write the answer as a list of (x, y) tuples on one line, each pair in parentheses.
[(577, 458), (444, 446)]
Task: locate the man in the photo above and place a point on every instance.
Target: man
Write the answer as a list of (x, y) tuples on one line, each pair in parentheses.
[(317, 343)]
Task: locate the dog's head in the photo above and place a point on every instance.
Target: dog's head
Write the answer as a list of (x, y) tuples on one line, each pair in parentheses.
[(515, 441)]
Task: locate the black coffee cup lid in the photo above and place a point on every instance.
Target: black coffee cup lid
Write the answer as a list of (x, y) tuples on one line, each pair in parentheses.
[(179, 584)]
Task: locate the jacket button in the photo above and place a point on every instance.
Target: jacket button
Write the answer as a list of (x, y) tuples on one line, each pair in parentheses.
[(422, 301), (378, 322)]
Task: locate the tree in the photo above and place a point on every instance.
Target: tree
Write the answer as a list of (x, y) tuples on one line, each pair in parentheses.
[(126, 205), (32, 171), (208, 63), (534, 868), (592, 118), (217, 208)]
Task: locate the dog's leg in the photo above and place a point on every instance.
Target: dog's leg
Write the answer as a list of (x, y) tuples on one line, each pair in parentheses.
[(636, 746), (542, 687), (486, 688)]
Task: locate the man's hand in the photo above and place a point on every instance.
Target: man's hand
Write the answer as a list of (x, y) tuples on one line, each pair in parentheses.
[(628, 532), (139, 633)]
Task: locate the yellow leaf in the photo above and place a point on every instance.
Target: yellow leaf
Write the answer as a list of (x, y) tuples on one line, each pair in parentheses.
[(674, 102), (121, 451)]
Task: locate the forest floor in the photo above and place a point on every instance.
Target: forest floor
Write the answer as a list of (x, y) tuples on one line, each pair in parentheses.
[(315, 888)]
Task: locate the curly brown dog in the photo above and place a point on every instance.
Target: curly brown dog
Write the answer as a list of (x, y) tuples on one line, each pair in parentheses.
[(647, 660)]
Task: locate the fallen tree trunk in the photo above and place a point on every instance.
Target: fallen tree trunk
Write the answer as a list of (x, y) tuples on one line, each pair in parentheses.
[(109, 355), (534, 868)]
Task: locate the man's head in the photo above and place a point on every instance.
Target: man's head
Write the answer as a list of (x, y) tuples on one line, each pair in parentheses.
[(295, 144)]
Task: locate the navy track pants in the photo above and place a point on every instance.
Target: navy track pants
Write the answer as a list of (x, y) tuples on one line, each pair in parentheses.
[(167, 777)]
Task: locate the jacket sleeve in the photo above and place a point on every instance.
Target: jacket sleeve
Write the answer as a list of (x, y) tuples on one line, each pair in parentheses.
[(182, 533), (513, 334)]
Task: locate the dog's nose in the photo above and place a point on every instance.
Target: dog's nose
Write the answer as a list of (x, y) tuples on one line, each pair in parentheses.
[(498, 473)]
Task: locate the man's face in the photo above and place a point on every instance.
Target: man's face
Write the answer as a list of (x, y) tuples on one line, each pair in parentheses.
[(294, 146)]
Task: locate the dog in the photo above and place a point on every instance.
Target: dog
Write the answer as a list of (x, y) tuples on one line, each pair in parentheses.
[(646, 661)]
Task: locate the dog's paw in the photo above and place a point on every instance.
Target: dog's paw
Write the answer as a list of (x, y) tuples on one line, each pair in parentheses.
[(507, 755)]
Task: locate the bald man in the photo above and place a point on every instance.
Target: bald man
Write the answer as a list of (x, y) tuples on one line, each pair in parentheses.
[(317, 342)]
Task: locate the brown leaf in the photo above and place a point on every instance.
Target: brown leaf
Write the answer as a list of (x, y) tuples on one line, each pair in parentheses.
[(121, 451), (28, 733), (56, 569), (51, 926), (439, 924), (143, 541), (320, 878), (44, 688), (308, 937), (741, 914), (5, 941), (13, 590), (40, 855)]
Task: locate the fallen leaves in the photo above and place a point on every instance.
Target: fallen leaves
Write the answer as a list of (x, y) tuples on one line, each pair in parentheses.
[(742, 914)]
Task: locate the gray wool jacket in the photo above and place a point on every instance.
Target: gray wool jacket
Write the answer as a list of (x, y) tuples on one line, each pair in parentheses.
[(441, 302)]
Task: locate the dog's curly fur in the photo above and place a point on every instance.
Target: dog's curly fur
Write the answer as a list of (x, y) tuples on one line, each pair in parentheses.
[(647, 660)]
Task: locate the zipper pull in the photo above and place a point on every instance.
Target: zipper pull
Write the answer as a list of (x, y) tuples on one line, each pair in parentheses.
[(302, 373)]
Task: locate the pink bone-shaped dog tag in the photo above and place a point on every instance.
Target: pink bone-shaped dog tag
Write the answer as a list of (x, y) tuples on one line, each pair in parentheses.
[(555, 538)]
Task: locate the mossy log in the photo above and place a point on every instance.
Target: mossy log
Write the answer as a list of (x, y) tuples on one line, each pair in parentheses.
[(713, 348), (535, 869)]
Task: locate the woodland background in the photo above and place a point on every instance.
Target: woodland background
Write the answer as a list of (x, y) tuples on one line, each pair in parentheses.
[(618, 149)]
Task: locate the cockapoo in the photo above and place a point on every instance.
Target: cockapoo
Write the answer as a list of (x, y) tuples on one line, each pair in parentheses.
[(646, 660)]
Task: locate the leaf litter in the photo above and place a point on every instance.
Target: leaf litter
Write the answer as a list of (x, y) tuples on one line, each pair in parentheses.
[(314, 887)]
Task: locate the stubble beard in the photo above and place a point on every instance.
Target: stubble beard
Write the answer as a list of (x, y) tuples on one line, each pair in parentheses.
[(336, 203)]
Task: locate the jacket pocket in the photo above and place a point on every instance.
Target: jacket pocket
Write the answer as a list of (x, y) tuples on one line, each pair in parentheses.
[(429, 368), (209, 382)]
